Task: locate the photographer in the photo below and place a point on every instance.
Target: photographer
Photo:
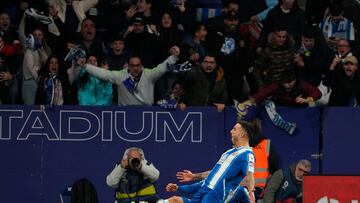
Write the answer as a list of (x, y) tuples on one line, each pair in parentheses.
[(134, 178)]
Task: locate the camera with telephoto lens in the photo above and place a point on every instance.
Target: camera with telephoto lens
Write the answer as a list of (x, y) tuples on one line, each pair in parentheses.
[(134, 163)]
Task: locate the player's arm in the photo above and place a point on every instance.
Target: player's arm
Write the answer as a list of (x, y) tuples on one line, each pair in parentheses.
[(190, 189), (202, 175), (250, 179), (187, 176), (251, 185)]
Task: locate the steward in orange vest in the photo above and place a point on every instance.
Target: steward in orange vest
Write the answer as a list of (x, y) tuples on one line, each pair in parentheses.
[(261, 152)]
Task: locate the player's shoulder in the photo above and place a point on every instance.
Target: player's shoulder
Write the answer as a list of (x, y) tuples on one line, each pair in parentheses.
[(242, 152)]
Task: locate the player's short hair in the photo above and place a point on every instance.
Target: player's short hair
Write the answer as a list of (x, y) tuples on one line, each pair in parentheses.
[(248, 128)]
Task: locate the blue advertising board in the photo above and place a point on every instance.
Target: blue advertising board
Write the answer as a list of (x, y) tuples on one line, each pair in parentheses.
[(341, 141), (44, 150)]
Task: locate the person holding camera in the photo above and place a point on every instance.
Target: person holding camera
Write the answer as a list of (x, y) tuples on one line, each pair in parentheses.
[(133, 178)]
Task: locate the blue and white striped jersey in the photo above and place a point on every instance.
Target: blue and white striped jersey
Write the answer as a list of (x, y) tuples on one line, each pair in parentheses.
[(342, 29), (230, 170)]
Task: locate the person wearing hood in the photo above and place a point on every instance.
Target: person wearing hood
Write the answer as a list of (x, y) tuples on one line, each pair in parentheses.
[(169, 33), (142, 41), (206, 84)]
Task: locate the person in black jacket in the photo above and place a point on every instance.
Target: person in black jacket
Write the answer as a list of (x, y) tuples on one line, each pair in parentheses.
[(53, 84), (313, 57), (344, 82), (139, 41), (233, 55), (286, 14)]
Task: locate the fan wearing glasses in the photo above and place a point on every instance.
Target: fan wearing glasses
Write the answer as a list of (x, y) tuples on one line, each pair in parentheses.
[(285, 185)]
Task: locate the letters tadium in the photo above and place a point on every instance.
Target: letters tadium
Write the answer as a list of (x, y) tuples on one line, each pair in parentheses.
[(83, 125)]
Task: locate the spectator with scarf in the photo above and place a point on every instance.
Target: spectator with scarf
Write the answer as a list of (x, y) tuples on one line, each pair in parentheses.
[(336, 26), (135, 83), (53, 86)]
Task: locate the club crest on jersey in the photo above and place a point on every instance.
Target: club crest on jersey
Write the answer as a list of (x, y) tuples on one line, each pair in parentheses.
[(235, 153)]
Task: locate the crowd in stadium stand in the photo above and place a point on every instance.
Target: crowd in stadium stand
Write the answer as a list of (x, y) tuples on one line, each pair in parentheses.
[(252, 51), (174, 54)]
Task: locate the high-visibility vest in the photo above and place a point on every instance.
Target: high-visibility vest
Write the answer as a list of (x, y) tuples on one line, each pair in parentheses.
[(261, 152)]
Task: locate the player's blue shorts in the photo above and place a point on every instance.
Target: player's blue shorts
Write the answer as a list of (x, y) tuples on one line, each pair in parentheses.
[(205, 195), (239, 195)]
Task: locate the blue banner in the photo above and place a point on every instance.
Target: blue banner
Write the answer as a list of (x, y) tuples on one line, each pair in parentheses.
[(289, 148), (341, 141), (44, 150)]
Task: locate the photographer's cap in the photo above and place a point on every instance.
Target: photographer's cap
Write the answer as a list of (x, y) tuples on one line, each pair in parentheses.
[(350, 59)]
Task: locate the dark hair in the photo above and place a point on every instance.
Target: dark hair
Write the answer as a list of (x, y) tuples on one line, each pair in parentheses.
[(309, 33), (288, 76), (256, 122), (212, 55), (117, 37), (248, 128), (257, 136), (335, 8), (226, 3), (88, 18), (177, 82), (280, 27), (45, 68), (196, 27), (83, 80), (4, 12), (134, 56), (172, 16), (83, 191)]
